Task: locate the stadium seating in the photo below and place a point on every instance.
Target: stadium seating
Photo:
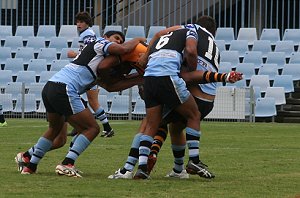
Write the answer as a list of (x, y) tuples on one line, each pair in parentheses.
[(103, 102), (221, 45), (5, 53), (57, 65), (239, 45), (45, 76), (261, 81), (6, 102), (263, 46), (248, 69), (226, 34), (14, 64), (41, 108), (225, 67), (29, 103), (292, 35), (139, 107), (254, 57), (119, 105), (265, 107), (68, 31), (113, 27), (37, 65), (271, 35), (285, 46), (231, 57), (277, 93), (47, 53), (46, 31), (24, 32), (26, 77), (153, 30), (64, 53), (295, 57), (36, 88), (5, 30), (277, 58), (36, 43), (14, 88), (135, 31), (285, 81), (96, 29), (268, 69), (13, 42), (292, 69), (58, 43), (248, 34), (5, 77), (26, 53)]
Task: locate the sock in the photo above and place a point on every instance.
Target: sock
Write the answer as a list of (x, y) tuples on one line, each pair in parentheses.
[(72, 141), (43, 145), (2, 120), (100, 114), (30, 152), (144, 151), (133, 154), (178, 153), (193, 142), (159, 140), (80, 144)]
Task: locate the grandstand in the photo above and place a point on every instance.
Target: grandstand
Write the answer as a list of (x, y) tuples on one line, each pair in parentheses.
[(259, 41)]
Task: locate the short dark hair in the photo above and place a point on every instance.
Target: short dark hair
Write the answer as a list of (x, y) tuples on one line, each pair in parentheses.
[(208, 23), (85, 17), (112, 32)]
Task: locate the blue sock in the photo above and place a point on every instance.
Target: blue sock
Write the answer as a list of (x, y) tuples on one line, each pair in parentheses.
[(134, 153), (144, 151), (42, 146), (178, 153), (80, 144), (193, 142)]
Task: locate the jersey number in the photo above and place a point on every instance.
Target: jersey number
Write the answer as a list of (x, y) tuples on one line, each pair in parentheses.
[(163, 41), (209, 52)]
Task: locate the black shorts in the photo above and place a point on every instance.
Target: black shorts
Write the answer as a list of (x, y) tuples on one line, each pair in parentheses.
[(56, 99), (204, 107), (164, 90)]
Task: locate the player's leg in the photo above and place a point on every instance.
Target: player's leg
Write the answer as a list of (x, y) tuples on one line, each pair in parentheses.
[(178, 148), (127, 171), (3, 123), (92, 96)]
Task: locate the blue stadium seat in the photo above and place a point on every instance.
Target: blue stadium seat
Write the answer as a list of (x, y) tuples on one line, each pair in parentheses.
[(248, 69), (221, 45), (153, 30), (248, 34), (270, 34), (5, 53), (254, 57), (96, 29), (268, 69), (5, 30), (292, 35), (29, 104), (231, 57), (135, 31), (263, 46), (5, 77), (285, 46), (277, 58), (59, 43), (112, 27), (24, 32), (277, 93), (226, 34), (102, 99), (26, 77), (225, 67), (26, 53), (292, 69), (36, 43), (36, 88), (285, 81), (68, 31), (295, 57), (239, 45), (47, 53), (7, 102), (57, 65), (37, 65), (14, 88), (45, 76), (119, 105), (265, 107), (46, 31), (14, 64), (261, 81), (64, 53), (13, 42), (139, 107)]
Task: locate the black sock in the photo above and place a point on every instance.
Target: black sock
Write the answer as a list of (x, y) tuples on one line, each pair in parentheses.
[(68, 161), (107, 127)]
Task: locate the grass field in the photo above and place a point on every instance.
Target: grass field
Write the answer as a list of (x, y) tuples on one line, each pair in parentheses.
[(249, 160)]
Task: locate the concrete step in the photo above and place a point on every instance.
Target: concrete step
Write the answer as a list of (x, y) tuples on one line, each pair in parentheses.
[(288, 113), (293, 101), (288, 120)]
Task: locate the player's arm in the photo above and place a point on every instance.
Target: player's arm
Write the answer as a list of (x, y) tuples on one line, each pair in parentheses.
[(191, 54), (119, 49), (121, 84)]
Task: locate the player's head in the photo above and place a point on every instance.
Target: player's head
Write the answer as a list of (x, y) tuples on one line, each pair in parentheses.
[(208, 23), (114, 36), (83, 20)]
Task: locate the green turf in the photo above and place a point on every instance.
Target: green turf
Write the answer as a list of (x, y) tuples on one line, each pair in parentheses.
[(249, 160)]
